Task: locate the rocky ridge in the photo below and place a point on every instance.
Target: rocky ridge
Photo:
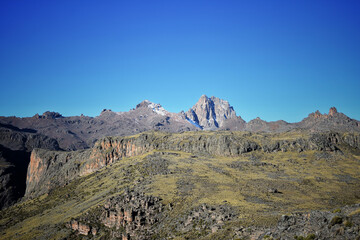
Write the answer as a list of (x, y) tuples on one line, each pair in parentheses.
[(209, 113), (49, 169)]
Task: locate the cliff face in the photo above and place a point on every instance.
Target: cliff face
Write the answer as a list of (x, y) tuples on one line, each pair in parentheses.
[(15, 147), (108, 150), (36, 169), (49, 169), (210, 112)]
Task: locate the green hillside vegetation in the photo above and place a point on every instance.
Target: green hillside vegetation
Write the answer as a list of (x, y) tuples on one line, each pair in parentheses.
[(259, 186)]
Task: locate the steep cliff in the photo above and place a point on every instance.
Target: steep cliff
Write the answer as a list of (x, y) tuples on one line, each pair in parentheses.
[(15, 147), (210, 113), (49, 169)]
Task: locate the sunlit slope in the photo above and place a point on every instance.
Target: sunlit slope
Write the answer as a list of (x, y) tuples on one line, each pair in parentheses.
[(257, 187)]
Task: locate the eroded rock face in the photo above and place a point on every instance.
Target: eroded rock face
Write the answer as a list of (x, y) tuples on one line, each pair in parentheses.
[(133, 213), (49, 169), (136, 216), (211, 112), (36, 169), (206, 218), (82, 228), (15, 147), (108, 150)]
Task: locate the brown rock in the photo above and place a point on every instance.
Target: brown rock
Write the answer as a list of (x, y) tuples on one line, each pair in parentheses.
[(84, 229), (332, 111), (74, 225)]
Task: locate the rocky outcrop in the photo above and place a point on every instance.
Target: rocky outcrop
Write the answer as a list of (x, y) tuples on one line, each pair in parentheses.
[(50, 169), (108, 150), (210, 113), (82, 228), (136, 216), (130, 215), (334, 121), (49, 115), (206, 218), (134, 213), (341, 223), (15, 147)]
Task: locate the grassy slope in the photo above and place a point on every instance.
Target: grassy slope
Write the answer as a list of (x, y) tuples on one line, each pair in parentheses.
[(307, 180)]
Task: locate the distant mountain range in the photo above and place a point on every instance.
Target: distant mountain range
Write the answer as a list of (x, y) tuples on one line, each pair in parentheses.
[(80, 132)]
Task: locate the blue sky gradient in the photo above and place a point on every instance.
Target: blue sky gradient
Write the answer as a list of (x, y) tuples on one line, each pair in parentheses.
[(272, 59)]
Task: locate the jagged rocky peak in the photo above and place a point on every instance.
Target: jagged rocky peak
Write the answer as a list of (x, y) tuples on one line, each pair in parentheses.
[(156, 107), (49, 115), (210, 112), (106, 110), (317, 115), (332, 111)]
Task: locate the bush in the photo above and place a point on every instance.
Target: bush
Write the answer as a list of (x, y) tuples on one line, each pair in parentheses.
[(347, 223), (338, 210), (308, 237), (336, 220)]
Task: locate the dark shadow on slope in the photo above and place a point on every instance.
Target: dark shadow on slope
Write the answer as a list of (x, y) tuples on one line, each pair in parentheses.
[(13, 171), (27, 130)]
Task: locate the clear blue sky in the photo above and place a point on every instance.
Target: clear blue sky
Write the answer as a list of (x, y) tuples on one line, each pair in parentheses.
[(272, 59)]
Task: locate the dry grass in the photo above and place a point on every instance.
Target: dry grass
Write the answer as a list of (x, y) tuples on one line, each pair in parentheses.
[(307, 180)]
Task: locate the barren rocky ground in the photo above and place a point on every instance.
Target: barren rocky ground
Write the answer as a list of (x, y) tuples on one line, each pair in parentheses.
[(195, 185)]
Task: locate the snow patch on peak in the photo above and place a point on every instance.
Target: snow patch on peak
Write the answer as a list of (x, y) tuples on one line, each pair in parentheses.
[(157, 108)]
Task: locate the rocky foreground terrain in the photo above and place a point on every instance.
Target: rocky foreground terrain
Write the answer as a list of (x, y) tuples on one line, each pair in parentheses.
[(194, 185), (200, 174)]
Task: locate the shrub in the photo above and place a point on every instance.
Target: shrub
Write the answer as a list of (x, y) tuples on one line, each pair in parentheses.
[(336, 220), (348, 223)]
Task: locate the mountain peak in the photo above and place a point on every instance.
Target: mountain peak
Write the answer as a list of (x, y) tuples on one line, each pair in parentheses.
[(210, 112), (332, 111), (203, 97), (156, 107), (49, 115), (318, 115)]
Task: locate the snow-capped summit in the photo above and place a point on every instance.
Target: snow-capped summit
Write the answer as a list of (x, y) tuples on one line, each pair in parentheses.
[(157, 108)]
